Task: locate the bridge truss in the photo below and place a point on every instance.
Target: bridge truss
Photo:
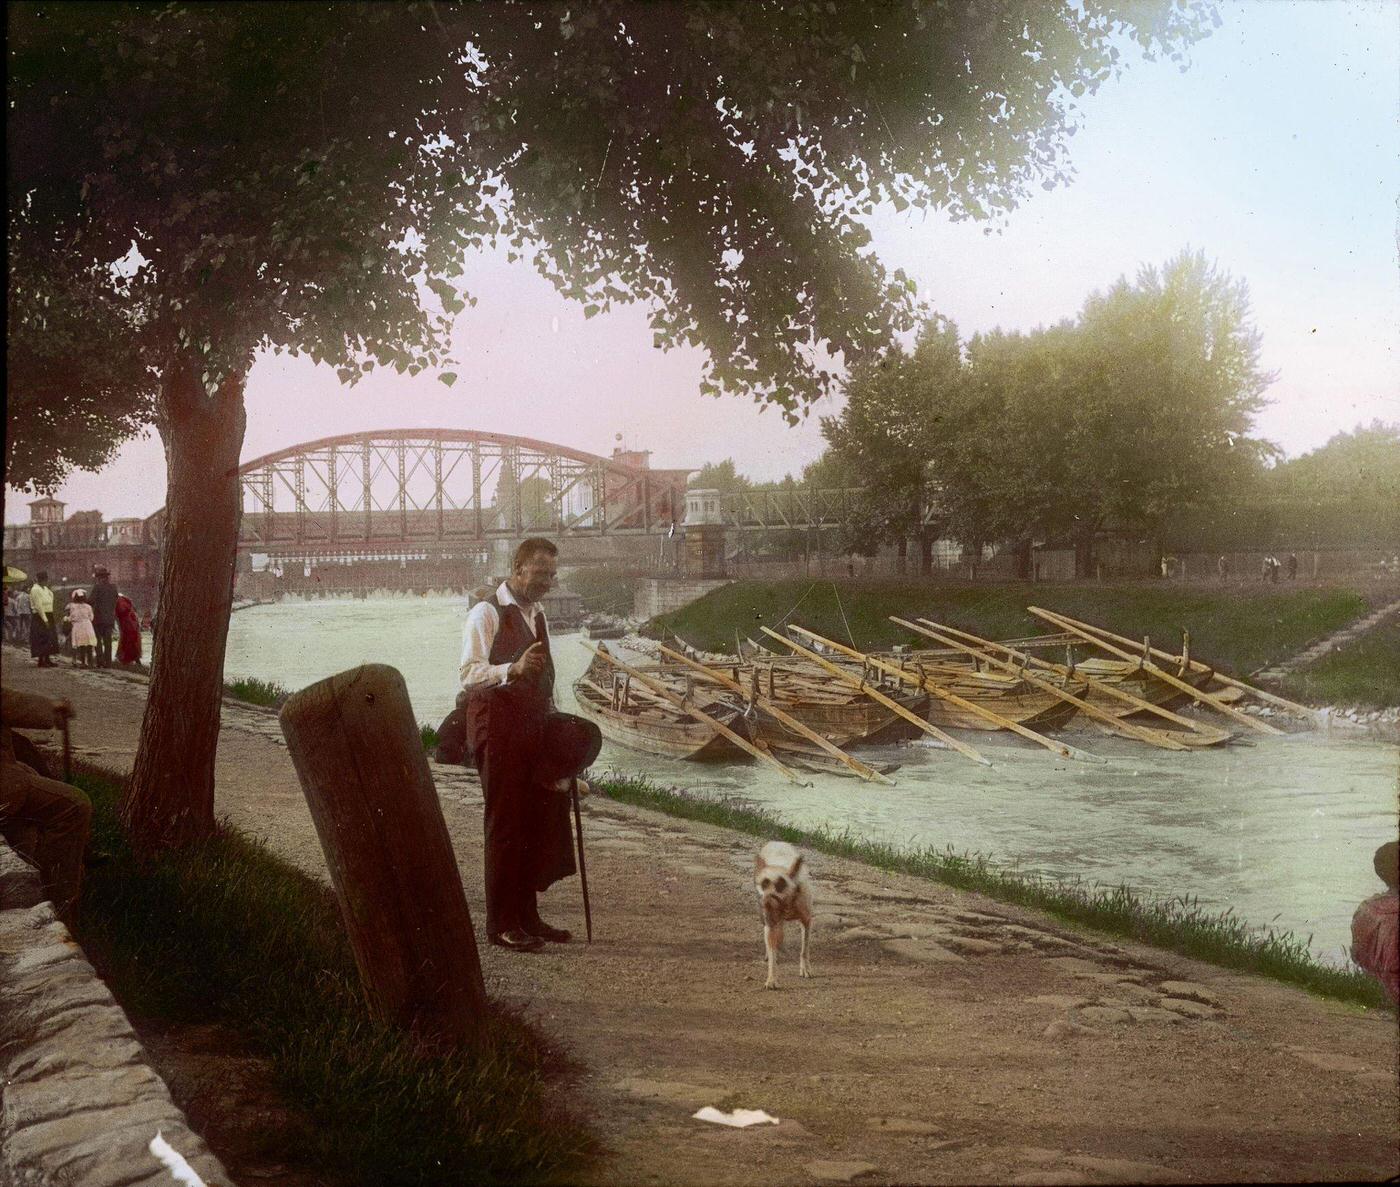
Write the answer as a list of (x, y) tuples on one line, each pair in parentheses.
[(415, 488)]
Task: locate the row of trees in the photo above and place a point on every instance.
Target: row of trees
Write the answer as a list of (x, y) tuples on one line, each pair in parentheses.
[(1119, 419)]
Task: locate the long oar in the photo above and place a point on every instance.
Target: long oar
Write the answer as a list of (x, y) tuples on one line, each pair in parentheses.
[(1063, 749), (1161, 673), (1127, 729), (1210, 735), (685, 707), (841, 674), (870, 774), (1291, 706)]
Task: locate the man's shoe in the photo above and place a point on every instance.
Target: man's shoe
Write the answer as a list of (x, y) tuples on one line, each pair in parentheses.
[(555, 935), (516, 940)]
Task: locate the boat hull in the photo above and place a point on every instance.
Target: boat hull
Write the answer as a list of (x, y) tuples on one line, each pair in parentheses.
[(663, 730)]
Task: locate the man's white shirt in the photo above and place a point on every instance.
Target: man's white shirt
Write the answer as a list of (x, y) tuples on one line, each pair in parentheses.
[(479, 634)]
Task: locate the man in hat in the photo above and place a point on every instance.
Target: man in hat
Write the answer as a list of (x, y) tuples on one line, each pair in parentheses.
[(526, 754), (103, 600), (1375, 928)]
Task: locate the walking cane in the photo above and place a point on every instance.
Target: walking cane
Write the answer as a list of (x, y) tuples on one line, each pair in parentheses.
[(582, 869)]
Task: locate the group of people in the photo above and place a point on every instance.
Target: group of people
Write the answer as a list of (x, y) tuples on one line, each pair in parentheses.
[(1269, 568), (90, 619)]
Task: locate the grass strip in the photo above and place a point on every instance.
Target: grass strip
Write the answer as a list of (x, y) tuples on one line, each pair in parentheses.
[(267, 693), (1364, 672), (1240, 629), (224, 931), (1179, 925)]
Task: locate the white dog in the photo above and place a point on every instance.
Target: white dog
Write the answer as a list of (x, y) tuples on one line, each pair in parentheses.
[(784, 894)]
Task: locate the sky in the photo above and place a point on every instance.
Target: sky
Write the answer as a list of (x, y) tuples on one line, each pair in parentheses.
[(1275, 153)]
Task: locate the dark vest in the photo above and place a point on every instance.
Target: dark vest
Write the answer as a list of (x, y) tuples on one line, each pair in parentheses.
[(513, 636)]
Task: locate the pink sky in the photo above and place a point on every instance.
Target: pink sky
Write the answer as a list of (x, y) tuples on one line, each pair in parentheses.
[(1274, 153)]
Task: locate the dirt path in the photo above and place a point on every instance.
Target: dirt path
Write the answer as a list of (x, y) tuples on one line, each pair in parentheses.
[(943, 1038)]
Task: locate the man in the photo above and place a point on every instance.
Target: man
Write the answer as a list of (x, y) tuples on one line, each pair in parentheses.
[(1375, 928), (43, 632), (22, 616), (525, 753), (1292, 566), (47, 822), (103, 600)]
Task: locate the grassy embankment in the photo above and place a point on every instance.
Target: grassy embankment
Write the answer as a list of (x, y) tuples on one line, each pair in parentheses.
[(1178, 925), (1239, 629), (225, 932)]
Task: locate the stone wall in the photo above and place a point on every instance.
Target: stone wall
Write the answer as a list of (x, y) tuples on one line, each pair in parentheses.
[(661, 595), (79, 1103)]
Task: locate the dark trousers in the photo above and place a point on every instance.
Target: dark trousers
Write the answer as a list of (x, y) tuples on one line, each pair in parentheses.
[(528, 844), (104, 643), (47, 823)]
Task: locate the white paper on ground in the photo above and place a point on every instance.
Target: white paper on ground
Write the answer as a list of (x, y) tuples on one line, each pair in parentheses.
[(180, 1170), (739, 1118)]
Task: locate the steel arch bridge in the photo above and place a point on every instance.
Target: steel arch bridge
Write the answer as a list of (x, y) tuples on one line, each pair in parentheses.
[(395, 489)]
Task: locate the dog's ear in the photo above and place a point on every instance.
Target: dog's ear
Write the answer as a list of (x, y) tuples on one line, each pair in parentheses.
[(797, 865), (757, 863)]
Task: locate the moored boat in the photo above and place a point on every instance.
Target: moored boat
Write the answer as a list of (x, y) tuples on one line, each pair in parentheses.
[(630, 714)]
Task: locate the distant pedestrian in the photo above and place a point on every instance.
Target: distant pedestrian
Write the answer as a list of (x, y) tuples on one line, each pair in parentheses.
[(43, 631), (1292, 566), (80, 630), (129, 632), (10, 616), (103, 600), (20, 601), (1375, 928), (1222, 568)]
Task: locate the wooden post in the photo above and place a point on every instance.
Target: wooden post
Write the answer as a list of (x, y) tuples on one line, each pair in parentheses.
[(355, 745)]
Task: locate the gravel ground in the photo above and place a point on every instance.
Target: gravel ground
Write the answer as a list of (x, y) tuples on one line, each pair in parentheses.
[(943, 1038)]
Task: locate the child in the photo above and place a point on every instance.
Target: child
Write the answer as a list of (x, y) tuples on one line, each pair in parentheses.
[(83, 636)]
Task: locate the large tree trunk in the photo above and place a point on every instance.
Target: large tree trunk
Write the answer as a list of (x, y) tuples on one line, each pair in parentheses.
[(170, 799)]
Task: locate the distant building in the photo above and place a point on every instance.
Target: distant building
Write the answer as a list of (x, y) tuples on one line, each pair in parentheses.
[(70, 547)]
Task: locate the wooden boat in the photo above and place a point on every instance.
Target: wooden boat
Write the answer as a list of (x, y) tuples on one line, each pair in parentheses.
[(1005, 695), (1131, 678), (630, 714), (843, 716)]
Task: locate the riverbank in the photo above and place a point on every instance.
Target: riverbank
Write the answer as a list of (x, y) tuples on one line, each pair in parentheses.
[(1241, 629), (943, 1038)]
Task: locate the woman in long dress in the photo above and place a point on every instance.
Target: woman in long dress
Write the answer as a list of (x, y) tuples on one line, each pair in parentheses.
[(128, 632)]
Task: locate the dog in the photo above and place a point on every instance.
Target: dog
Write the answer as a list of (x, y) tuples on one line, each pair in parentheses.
[(784, 894)]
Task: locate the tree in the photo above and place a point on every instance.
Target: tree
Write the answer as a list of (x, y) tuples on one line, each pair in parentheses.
[(721, 476), (1166, 385), (886, 432), (309, 177)]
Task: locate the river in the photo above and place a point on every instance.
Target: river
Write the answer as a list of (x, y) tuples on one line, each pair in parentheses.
[(1280, 830)]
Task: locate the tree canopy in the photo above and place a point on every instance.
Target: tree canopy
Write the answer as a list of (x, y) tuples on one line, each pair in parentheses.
[(1138, 409), (298, 175)]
